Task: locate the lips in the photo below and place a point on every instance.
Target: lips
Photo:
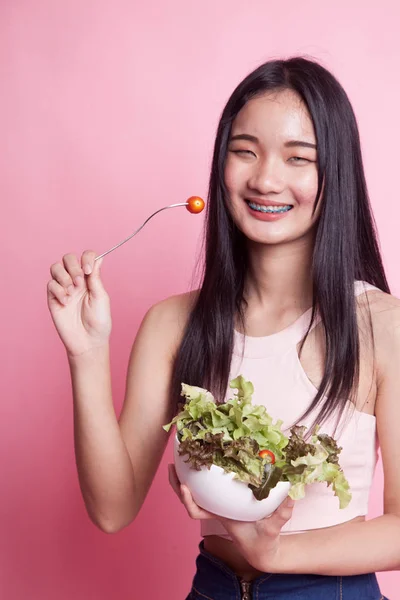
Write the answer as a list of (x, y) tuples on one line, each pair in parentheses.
[(262, 202), (268, 211), (271, 209)]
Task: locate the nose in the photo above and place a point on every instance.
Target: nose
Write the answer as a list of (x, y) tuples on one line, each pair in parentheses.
[(267, 177)]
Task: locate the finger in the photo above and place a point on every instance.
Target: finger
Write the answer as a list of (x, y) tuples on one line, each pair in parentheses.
[(285, 509), (184, 495), (273, 524), (283, 513), (195, 512), (287, 504), (174, 481), (93, 279), (290, 502), (73, 266), (87, 261), (61, 276), (56, 293)]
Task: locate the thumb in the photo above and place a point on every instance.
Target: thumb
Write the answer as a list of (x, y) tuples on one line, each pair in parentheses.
[(94, 283)]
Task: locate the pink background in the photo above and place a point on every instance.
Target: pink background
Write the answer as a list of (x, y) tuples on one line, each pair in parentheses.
[(108, 112)]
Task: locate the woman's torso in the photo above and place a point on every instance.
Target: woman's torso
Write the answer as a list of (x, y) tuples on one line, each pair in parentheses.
[(311, 364)]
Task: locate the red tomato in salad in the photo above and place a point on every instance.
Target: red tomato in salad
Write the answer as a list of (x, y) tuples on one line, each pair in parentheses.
[(267, 454)]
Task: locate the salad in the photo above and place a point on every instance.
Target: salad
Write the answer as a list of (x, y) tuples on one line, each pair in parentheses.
[(240, 437)]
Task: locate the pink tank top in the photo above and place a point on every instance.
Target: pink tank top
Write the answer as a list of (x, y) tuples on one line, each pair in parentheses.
[(272, 364)]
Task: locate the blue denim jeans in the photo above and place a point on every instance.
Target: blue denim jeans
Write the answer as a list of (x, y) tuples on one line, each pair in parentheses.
[(214, 580)]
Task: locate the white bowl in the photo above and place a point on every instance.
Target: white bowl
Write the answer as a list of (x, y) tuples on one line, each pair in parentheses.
[(219, 493)]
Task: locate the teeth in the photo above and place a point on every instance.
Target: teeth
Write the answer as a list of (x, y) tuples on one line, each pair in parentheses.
[(269, 209)]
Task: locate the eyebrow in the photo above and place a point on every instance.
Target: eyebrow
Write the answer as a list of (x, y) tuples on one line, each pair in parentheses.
[(289, 144)]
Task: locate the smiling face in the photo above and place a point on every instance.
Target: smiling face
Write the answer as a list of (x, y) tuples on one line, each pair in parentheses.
[(271, 165)]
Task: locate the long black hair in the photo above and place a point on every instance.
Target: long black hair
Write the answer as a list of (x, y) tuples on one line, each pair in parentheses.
[(346, 245)]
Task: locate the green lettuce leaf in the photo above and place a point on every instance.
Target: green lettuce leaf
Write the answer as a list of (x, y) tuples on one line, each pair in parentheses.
[(238, 456), (320, 465), (271, 476)]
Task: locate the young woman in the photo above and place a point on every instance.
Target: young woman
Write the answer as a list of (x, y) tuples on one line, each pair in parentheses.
[(295, 298)]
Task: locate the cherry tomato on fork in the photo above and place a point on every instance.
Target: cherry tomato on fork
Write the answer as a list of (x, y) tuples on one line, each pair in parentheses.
[(195, 204)]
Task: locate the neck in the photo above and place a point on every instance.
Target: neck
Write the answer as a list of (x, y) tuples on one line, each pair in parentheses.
[(279, 276)]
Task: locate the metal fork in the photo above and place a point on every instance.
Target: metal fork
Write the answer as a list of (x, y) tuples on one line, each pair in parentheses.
[(141, 227)]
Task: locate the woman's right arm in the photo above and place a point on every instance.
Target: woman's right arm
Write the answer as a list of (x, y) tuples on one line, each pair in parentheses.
[(116, 459), (104, 468)]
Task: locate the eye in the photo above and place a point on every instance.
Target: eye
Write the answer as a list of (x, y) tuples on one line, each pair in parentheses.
[(248, 152), (297, 159)]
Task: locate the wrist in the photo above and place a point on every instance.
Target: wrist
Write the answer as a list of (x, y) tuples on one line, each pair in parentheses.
[(102, 351), (262, 559), (286, 557), (269, 561)]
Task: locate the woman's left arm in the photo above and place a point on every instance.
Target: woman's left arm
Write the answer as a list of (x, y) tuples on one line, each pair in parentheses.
[(373, 545), (351, 549)]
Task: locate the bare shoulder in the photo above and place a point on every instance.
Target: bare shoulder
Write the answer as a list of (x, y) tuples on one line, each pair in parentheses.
[(385, 310), (385, 319), (169, 317), (176, 306)]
